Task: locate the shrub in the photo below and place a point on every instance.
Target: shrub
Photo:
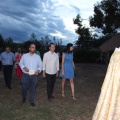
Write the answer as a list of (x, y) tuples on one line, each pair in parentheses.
[(85, 55)]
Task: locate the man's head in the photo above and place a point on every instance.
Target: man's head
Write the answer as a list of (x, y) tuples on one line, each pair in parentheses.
[(7, 49), (52, 47), (32, 48), (19, 50)]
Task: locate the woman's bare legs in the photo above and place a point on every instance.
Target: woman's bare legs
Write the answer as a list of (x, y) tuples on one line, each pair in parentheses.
[(63, 87), (72, 88)]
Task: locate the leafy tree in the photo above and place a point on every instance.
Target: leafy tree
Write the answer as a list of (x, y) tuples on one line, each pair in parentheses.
[(84, 39), (45, 41), (41, 45), (33, 36), (9, 42), (2, 42), (58, 43), (97, 42), (106, 16)]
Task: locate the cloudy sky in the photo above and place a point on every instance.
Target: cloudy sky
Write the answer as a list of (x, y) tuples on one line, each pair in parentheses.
[(20, 18)]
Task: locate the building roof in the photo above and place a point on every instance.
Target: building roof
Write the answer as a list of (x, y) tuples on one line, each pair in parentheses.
[(111, 44)]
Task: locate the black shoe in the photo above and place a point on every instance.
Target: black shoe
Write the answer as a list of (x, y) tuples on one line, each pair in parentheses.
[(53, 97), (49, 99), (24, 100), (32, 104), (10, 88)]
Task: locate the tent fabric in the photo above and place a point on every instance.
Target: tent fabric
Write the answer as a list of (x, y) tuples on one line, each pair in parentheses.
[(108, 106), (111, 44)]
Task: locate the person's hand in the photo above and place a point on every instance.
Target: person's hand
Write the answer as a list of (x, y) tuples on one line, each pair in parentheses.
[(63, 73), (57, 74), (26, 69), (37, 72), (44, 75)]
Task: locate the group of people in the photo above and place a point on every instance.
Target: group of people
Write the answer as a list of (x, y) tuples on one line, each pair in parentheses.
[(29, 65)]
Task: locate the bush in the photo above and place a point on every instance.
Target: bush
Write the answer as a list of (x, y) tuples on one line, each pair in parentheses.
[(85, 55)]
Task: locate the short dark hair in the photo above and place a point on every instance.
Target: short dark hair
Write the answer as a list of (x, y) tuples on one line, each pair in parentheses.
[(7, 47), (31, 44), (51, 44)]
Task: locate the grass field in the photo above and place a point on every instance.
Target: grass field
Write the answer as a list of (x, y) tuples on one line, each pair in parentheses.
[(88, 81)]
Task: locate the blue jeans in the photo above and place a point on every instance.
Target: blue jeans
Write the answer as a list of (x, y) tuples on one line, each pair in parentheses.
[(29, 82)]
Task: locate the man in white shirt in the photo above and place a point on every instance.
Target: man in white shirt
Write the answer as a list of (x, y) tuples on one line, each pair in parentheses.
[(31, 66), (50, 69)]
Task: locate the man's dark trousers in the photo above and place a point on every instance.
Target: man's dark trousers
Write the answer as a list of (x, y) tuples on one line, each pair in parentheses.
[(7, 71), (29, 82), (0, 66), (50, 84)]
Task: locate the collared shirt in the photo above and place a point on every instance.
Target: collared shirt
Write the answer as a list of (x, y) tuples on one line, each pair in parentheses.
[(7, 58), (31, 62), (50, 62)]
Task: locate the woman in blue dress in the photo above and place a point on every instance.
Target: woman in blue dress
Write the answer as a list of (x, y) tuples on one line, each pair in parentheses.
[(67, 71)]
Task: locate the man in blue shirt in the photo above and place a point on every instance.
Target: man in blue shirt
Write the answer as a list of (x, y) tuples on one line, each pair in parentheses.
[(31, 66), (7, 59)]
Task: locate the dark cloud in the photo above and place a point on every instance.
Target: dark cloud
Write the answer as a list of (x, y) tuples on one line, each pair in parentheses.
[(20, 18)]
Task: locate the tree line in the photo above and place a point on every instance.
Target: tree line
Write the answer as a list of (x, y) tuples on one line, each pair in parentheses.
[(105, 22), (41, 45)]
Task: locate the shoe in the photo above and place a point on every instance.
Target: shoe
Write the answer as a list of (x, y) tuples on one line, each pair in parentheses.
[(74, 98), (49, 99), (24, 100), (63, 95), (10, 88), (52, 97), (32, 104)]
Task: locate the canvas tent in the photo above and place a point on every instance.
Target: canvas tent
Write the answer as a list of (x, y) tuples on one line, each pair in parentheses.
[(111, 44)]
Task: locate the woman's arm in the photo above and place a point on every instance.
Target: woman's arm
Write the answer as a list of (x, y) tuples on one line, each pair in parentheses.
[(73, 64), (73, 61), (63, 58)]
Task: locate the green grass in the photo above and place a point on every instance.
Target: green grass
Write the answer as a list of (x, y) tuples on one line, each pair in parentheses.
[(88, 82)]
